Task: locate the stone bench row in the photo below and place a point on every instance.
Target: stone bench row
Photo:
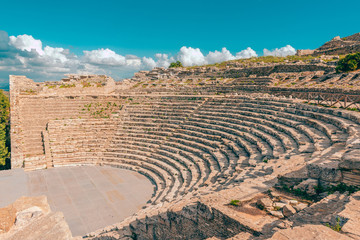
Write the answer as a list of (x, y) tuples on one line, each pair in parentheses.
[(283, 122)]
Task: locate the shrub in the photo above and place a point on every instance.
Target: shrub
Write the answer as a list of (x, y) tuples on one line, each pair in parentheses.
[(4, 131), (336, 227), (235, 203), (342, 187), (175, 64), (350, 62)]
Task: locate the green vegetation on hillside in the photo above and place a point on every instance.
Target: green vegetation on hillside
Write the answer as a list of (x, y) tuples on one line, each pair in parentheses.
[(4, 131), (264, 59), (235, 203), (175, 64), (350, 62), (101, 110)]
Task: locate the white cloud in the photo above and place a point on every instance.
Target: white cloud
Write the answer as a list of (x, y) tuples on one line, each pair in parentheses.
[(25, 55), (132, 61), (246, 53), (215, 57), (282, 52), (148, 63), (26, 43), (104, 57), (163, 60), (193, 56), (189, 56), (56, 54)]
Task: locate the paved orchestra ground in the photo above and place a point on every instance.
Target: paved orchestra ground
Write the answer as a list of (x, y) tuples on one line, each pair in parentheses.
[(91, 197)]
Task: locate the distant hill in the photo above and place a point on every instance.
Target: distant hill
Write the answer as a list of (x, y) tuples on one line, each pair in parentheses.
[(336, 46), (355, 37)]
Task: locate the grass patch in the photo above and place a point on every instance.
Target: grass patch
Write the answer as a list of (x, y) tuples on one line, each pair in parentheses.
[(235, 203), (277, 208), (67, 85), (336, 227), (86, 84)]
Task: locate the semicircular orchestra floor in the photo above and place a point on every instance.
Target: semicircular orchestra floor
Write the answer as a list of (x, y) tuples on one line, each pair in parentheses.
[(91, 197)]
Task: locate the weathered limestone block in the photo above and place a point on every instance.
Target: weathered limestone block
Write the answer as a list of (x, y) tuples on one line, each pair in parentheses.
[(352, 214), (20, 209), (27, 215), (300, 206), (50, 226), (351, 160), (325, 171), (321, 212), (265, 203), (288, 210), (275, 196), (304, 52), (309, 232), (278, 214), (308, 186), (279, 204), (294, 178), (196, 221)]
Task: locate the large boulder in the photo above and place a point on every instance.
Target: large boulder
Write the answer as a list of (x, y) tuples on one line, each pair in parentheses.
[(11, 214), (288, 210), (327, 171), (351, 160), (265, 203), (308, 186), (278, 214), (31, 218), (27, 215), (51, 226), (293, 178), (300, 207)]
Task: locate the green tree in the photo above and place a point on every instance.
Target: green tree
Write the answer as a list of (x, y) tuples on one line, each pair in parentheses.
[(4, 130), (350, 62), (352, 65), (175, 64)]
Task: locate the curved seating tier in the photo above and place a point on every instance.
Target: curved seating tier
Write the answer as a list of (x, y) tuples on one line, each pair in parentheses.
[(186, 144)]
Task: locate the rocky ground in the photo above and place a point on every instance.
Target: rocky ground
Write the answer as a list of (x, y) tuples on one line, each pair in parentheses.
[(31, 218)]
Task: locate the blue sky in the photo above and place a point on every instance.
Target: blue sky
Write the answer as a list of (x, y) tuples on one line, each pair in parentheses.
[(145, 28)]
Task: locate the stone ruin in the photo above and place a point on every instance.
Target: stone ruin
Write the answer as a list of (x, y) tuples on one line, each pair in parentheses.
[(219, 152)]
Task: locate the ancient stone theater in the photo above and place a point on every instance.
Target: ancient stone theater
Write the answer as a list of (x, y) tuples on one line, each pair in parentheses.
[(262, 148)]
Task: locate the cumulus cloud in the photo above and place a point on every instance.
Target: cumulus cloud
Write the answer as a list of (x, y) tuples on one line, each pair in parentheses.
[(25, 55), (246, 53), (148, 63), (214, 57), (191, 56), (163, 60), (133, 61), (26, 43), (280, 52), (104, 57)]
